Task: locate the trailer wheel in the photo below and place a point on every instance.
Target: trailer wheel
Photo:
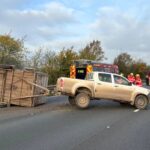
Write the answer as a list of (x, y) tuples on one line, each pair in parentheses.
[(141, 102), (71, 100), (82, 100)]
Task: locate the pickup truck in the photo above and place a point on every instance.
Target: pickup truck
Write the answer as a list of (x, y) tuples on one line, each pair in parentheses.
[(102, 85)]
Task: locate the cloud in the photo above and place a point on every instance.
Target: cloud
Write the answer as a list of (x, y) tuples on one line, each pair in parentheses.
[(50, 14), (47, 22), (121, 32), (121, 27)]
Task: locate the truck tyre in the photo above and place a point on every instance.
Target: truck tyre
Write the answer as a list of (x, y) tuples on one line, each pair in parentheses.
[(82, 100), (141, 102), (71, 100)]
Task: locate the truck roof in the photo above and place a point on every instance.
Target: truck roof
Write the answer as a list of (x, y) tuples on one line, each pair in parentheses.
[(104, 72)]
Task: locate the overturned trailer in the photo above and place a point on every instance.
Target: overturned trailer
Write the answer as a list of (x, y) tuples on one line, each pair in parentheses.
[(22, 87)]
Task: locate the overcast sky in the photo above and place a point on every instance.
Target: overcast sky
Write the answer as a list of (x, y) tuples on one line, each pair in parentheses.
[(121, 26)]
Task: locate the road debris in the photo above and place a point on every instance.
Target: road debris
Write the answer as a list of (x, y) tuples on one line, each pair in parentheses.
[(136, 110), (108, 127)]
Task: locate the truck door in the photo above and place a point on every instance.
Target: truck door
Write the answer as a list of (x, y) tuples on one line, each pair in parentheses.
[(123, 88), (104, 87)]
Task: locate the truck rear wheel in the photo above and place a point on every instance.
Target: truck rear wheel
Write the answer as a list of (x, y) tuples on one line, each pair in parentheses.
[(141, 102), (71, 100), (82, 100)]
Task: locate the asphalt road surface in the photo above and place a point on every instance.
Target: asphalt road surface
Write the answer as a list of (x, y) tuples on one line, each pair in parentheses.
[(106, 125)]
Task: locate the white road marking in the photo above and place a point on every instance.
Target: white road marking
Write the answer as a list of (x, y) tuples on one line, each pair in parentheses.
[(136, 110)]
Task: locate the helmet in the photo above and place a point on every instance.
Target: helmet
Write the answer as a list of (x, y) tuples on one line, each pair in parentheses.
[(131, 74), (137, 75)]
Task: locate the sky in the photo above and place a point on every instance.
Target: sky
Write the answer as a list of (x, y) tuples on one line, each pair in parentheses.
[(121, 26)]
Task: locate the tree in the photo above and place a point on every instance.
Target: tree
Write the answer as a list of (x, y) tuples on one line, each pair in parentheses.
[(139, 67), (55, 65), (127, 65), (50, 66), (58, 64), (92, 51), (65, 59), (11, 50), (36, 60), (124, 62)]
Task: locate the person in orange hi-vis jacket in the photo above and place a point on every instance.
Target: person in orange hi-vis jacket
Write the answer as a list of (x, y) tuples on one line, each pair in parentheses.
[(131, 78), (138, 80)]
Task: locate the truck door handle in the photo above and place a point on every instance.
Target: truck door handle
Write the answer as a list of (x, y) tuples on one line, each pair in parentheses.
[(116, 86), (99, 83)]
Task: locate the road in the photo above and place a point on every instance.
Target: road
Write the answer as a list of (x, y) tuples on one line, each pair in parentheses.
[(105, 125)]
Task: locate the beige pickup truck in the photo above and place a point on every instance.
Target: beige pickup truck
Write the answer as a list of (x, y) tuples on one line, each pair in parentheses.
[(102, 85)]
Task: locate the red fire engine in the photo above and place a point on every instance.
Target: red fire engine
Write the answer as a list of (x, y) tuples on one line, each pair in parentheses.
[(81, 67)]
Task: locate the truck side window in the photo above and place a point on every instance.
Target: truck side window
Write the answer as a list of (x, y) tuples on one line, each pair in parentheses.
[(120, 80), (104, 77)]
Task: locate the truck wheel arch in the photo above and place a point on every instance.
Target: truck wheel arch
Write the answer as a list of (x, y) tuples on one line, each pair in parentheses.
[(83, 90)]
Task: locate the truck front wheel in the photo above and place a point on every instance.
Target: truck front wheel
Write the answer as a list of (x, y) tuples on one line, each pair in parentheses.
[(82, 100), (141, 102), (71, 101)]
